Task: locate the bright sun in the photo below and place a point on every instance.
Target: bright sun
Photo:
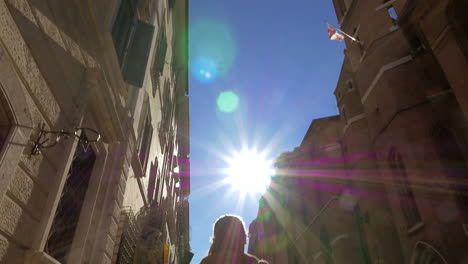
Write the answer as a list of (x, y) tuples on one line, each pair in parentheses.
[(249, 172)]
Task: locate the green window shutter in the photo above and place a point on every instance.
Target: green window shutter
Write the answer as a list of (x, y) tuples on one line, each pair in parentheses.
[(161, 52), (122, 28), (137, 55), (171, 4)]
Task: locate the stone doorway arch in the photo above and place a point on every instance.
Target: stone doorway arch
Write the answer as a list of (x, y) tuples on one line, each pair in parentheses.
[(423, 253), (17, 128)]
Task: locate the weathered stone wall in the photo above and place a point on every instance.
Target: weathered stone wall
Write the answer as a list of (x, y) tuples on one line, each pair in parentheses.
[(53, 56)]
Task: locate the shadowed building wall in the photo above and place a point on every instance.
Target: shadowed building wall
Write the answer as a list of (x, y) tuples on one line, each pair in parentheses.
[(401, 195)]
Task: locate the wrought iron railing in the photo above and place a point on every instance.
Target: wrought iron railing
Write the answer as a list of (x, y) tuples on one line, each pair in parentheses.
[(129, 237)]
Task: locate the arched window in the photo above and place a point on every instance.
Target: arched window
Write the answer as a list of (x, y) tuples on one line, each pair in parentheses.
[(451, 155), (405, 193), (425, 254)]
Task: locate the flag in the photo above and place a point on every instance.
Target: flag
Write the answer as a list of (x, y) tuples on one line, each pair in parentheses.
[(333, 34)]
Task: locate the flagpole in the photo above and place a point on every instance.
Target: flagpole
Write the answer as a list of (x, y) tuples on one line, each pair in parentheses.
[(345, 34)]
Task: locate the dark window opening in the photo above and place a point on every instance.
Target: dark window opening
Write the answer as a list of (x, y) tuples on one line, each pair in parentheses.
[(152, 181), (160, 55), (122, 28), (405, 192), (326, 245), (145, 143), (171, 3), (361, 220), (5, 121), (393, 14), (132, 40), (414, 41), (69, 208), (454, 162)]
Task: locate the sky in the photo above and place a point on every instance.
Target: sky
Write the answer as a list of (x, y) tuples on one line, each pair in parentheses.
[(260, 72)]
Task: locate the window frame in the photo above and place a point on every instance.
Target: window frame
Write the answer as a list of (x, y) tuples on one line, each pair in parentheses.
[(407, 201)]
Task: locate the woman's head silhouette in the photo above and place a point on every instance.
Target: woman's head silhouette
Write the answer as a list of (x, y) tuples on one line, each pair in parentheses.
[(228, 234), (229, 239)]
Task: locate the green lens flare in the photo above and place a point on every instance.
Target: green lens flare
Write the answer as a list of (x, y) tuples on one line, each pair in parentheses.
[(227, 101), (212, 42)]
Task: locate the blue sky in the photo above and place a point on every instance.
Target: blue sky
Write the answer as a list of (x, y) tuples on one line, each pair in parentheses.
[(277, 58)]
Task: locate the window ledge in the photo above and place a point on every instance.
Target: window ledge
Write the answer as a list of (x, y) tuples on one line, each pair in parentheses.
[(39, 257), (415, 228), (465, 228), (385, 5), (393, 28)]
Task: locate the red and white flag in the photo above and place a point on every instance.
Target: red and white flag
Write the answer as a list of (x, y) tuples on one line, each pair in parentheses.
[(333, 34)]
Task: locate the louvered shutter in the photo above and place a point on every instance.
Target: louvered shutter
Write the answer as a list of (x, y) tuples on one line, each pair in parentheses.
[(138, 52)]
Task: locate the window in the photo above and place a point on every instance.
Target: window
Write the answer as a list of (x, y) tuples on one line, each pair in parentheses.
[(393, 14), (326, 245), (5, 120), (122, 27), (171, 3), (152, 181), (454, 163), (424, 253), (350, 85), (362, 219), (69, 208), (343, 113), (406, 195), (160, 55), (411, 35), (145, 143), (157, 190), (132, 40)]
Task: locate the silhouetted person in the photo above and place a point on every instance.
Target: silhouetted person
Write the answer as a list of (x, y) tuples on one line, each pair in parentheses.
[(229, 238)]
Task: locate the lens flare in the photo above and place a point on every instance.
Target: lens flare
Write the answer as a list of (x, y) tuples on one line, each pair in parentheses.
[(204, 69), (212, 49), (227, 101)]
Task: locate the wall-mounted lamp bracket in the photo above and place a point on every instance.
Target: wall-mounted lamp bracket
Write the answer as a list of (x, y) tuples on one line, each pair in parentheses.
[(47, 139)]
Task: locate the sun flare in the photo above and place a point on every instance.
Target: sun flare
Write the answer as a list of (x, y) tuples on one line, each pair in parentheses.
[(249, 171)]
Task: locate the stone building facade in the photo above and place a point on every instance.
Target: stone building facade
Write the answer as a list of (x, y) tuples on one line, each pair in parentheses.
[(116, 67), (393, 190)]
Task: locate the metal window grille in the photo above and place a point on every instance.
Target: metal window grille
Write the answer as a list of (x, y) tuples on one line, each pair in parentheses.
[(129, 238), (71, 201)]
